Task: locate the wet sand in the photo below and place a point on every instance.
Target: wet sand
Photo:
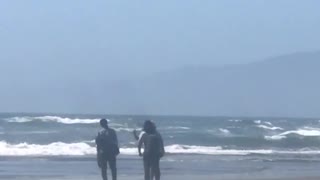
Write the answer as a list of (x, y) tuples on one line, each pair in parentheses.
[(166, 177), (173, 168)]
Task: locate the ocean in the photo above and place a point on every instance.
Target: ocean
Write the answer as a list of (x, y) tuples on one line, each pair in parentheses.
[(42, 146)]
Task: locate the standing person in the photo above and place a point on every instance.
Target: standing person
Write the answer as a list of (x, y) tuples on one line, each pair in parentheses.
[(107, 150), (153, 151), (138, 137)]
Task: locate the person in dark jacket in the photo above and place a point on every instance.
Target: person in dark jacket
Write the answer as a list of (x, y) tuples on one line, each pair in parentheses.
[(107, 150)]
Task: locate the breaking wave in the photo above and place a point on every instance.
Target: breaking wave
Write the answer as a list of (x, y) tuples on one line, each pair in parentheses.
[(53, 149), (257, 121), (304, 132), (124, 129), (225, 131), (84, 149), (178, 128), (53, 119), (269, 128)]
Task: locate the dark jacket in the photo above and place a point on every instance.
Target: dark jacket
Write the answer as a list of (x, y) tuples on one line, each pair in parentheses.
[(107, 142)]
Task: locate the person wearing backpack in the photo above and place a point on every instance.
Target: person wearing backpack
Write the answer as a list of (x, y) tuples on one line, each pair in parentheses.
[(107, 150), (153, 151)]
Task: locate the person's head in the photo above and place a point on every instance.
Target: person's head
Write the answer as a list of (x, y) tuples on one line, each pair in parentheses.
[(104, 123), (149, 127)]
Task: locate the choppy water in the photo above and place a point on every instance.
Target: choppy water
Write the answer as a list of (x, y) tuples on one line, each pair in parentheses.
[(73, 135)]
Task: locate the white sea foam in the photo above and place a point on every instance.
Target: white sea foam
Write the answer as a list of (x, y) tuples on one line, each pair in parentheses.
[(53, 149), (67, 120), (124, 129), (269, 128), (303, 132), (225, 131), (275, 137), (90, 141), (19, 119), (116, 124), (84, 149), (306, 132), (178, 128), (257, 121), (32, 132), (235, 120), (263, 122), (311, 128), (268, 123), (53, 119)]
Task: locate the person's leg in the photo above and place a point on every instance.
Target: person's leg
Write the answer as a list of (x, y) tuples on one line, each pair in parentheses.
[(113, 167), (156, 169), (152, 174), (146, 165), (104, 167)]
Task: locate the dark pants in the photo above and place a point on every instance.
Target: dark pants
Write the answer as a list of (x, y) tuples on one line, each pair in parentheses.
[(151, 168), (103, 162)]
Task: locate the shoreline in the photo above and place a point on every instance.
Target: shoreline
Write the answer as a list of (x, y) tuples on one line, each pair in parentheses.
[(219, 168), (165, 177)]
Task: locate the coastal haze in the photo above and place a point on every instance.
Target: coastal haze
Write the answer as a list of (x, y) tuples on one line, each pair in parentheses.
[(284, 86), (160, 57), (231, 85)]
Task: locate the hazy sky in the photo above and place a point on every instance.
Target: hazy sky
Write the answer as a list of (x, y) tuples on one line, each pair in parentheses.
[(135, 36), (49, 46)]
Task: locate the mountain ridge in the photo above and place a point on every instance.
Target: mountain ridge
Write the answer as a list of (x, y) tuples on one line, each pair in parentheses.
[(236, 90), (283, 86)]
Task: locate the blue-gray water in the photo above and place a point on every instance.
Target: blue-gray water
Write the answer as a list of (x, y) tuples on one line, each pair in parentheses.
[(218, 145)]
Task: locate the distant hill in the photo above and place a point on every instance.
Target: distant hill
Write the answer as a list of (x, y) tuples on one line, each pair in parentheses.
[(282, 86)]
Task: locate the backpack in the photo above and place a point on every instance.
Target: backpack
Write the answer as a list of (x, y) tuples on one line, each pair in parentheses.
[(152, 145), (106, 143)]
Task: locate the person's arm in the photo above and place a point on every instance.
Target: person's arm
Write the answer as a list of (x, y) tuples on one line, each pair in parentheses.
[(98, 150), (115, 138), (135, 135), (98, 142), (162, 150), (140, 142)]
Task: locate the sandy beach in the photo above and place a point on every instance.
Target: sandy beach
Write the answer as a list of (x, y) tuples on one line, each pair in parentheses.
[(165, 177), (217, 168)]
